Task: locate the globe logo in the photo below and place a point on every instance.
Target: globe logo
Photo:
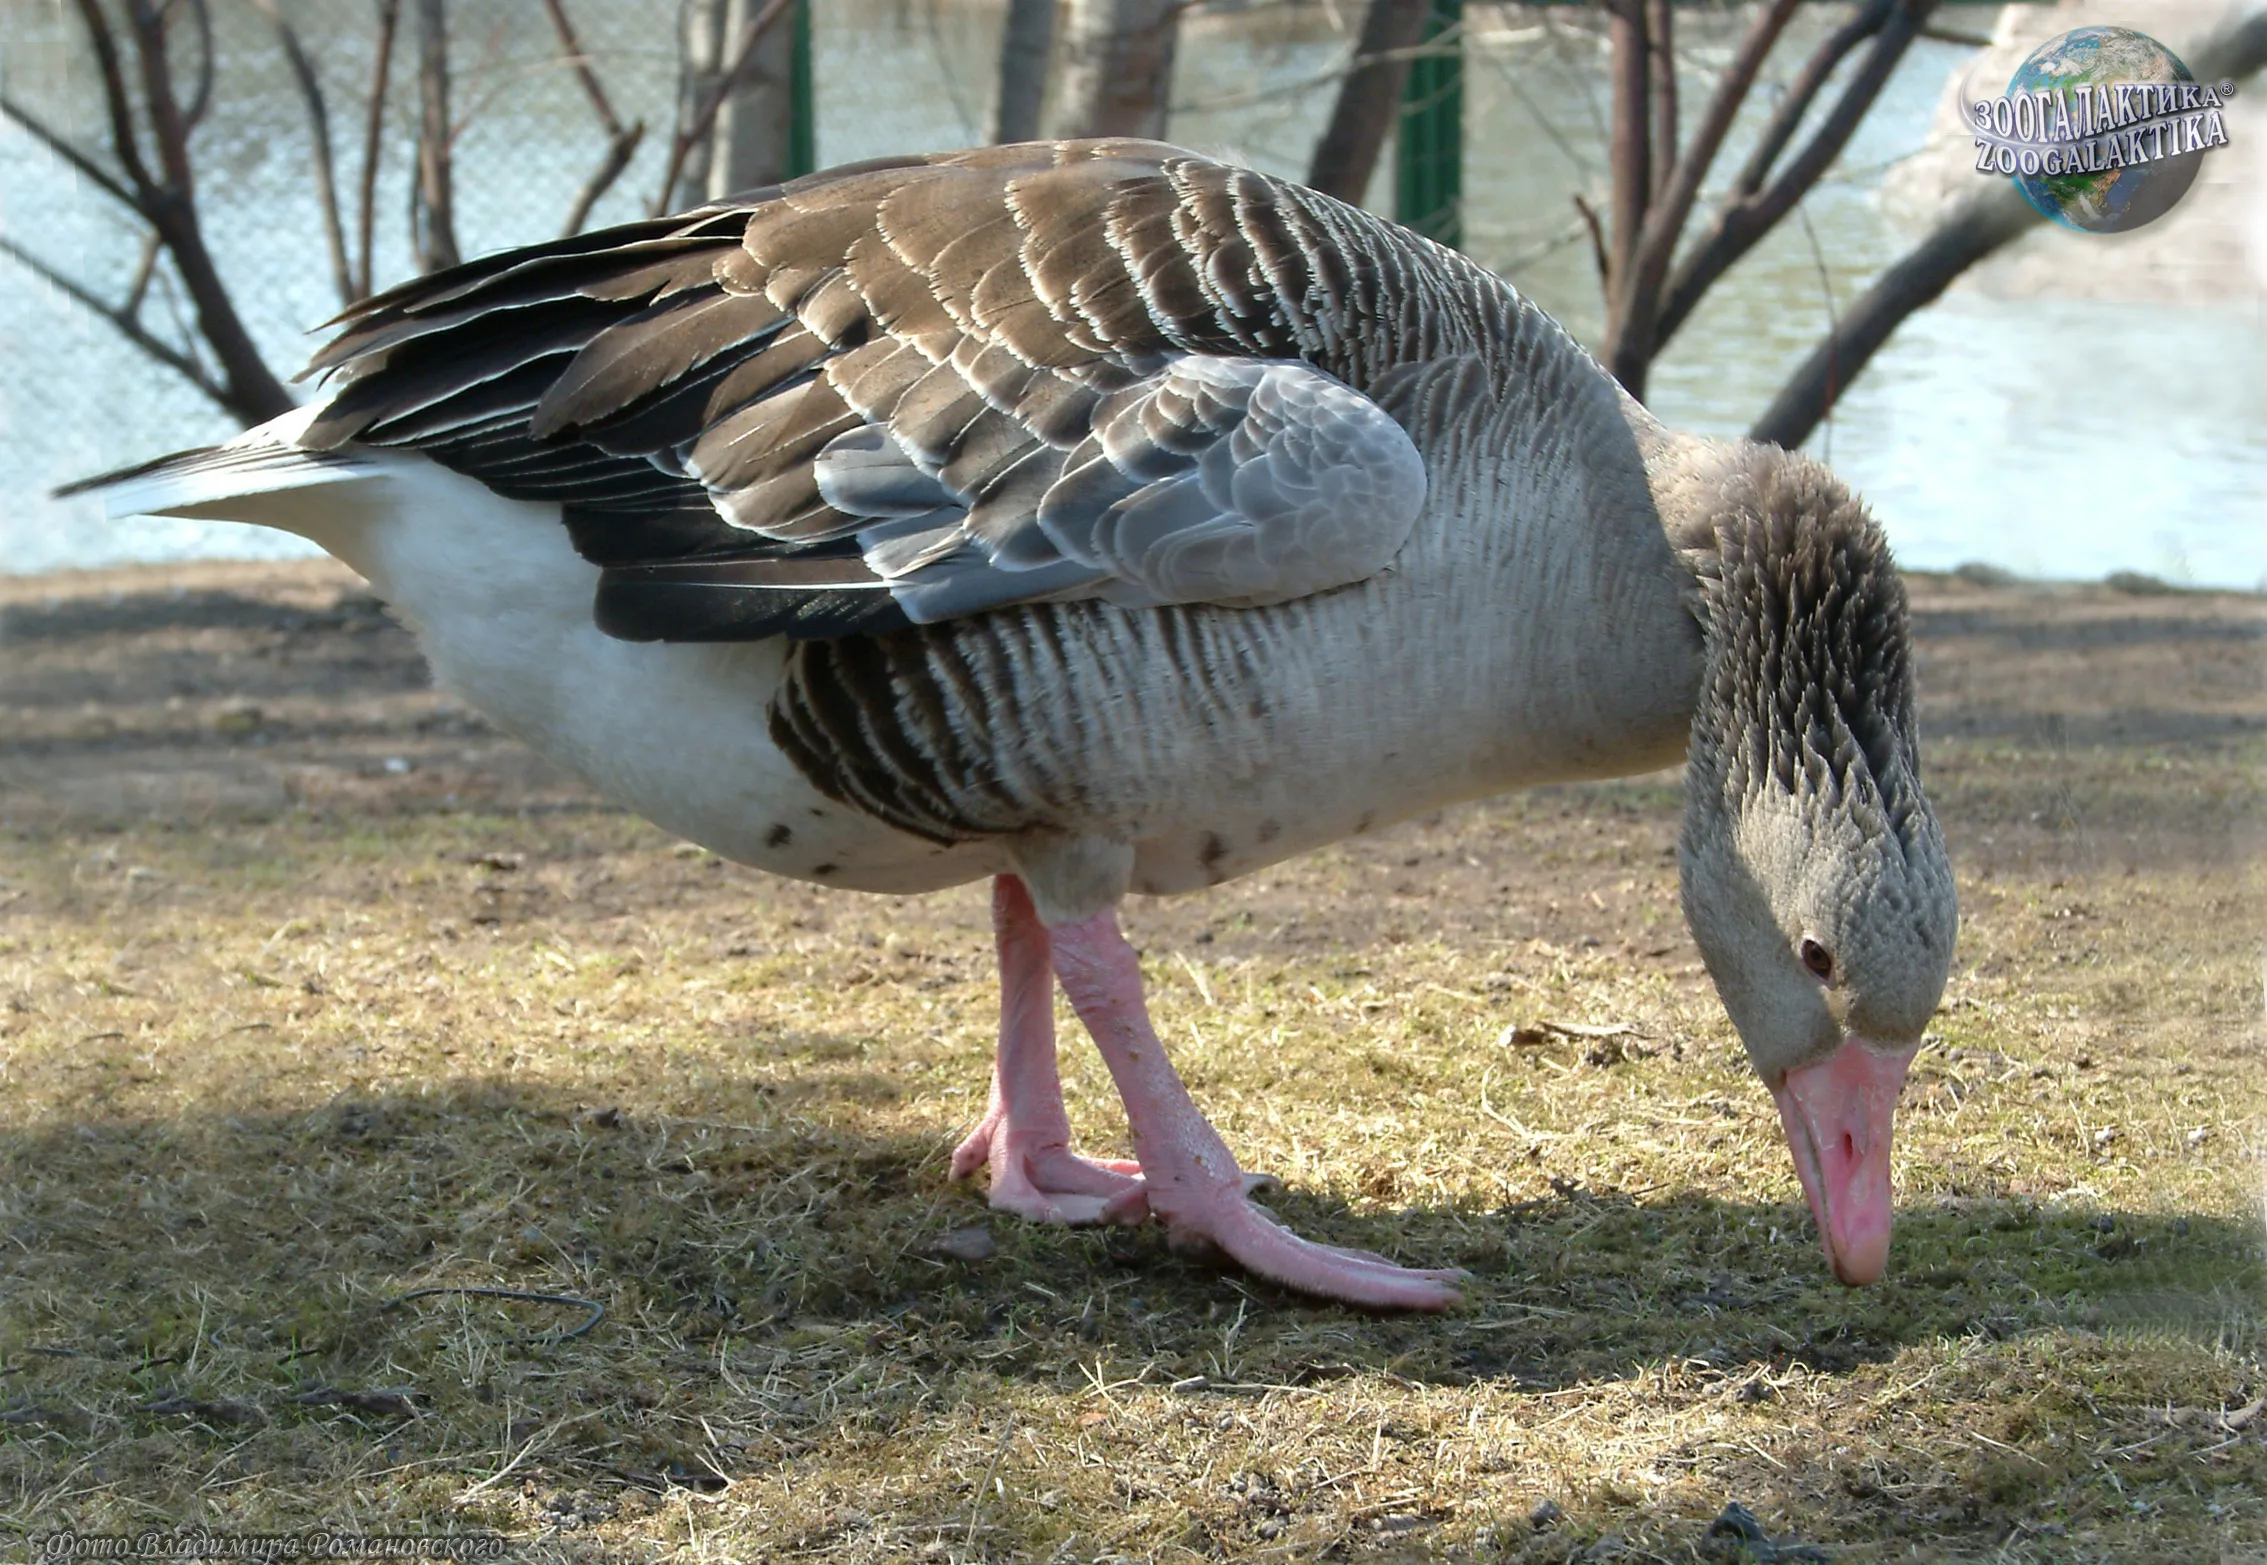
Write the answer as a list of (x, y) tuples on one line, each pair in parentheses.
[(2102, 129)]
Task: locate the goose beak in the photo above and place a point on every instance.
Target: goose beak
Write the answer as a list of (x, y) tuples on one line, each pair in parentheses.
[(1837, 1114)]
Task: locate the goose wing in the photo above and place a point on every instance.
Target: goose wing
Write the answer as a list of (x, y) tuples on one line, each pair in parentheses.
[(921, 389)]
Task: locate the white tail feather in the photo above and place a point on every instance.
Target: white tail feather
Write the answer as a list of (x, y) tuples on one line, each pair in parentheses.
[(215, 482)]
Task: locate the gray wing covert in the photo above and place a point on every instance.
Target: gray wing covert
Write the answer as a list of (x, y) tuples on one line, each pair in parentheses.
[(1210, 480)]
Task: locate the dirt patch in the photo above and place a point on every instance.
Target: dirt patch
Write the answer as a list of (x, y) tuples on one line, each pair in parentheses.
[(233, 689)]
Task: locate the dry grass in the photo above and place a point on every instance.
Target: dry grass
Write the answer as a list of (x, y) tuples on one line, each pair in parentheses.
[(327, 1034)]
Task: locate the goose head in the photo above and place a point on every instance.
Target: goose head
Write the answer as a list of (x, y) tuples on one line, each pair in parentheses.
[(1813, 872)]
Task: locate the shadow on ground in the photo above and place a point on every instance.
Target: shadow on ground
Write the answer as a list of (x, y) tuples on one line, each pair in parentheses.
[(272, 1243), (226, 1293)]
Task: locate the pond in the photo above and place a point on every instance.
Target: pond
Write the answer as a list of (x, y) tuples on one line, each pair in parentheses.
[(2055, 437)]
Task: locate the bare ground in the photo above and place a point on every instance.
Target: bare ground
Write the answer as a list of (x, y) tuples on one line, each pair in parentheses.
[(314, 991)]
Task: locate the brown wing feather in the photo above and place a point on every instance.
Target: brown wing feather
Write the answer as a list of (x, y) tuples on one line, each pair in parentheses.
[(979, 306)]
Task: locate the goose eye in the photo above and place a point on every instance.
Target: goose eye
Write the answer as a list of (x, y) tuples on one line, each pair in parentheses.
[(1817, 958)]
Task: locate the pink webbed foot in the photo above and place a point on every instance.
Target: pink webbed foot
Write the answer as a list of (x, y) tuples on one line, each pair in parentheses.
[(1225, 1220), (1191, 1179), (1035, 1175)]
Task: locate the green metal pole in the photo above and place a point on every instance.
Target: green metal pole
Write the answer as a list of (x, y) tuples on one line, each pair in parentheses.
[(1428, 186), (802, 128)]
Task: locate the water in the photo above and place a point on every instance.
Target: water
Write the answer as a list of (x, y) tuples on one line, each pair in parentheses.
[(2053, 437)]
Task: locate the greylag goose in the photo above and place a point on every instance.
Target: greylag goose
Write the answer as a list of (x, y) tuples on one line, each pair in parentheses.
[(1099, 518)]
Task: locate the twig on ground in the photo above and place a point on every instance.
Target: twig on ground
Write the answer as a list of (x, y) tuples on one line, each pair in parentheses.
[(565, 1300)]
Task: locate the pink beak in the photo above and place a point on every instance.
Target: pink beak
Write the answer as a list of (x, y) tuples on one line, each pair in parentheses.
[(1837, 1114)]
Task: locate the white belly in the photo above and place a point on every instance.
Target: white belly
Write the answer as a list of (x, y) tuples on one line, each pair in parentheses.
[(501, 607)]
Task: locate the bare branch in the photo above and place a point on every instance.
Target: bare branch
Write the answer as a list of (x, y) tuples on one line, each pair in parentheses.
[(1660, 39), (1978, 226), (1597, 238), (201, 98), (138, 288), (249, 388), (1630, 349), (580, 60), (480, 89), (125, 323), (1787, 114), (319, 128), (622, 141), (618, 155), (374, 137), (1740, 223), (91, 171), (1936, 34), (169, 128), (704, 118), (1519, 260), (433, 204), (122, 137)]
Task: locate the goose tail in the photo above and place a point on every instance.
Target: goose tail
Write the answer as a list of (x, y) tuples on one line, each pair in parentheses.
[(252, 478)]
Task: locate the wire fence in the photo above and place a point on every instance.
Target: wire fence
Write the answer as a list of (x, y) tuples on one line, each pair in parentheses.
[(1254, 82)]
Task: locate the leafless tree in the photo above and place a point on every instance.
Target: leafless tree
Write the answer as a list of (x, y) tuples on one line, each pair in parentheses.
[(150, 122), (718, 60), (154, 60), (1653, 271), (1369, 99), (1117, 67)]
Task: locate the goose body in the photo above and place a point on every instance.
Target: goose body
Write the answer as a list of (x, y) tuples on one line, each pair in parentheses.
[(500, 603), (1098, 518)]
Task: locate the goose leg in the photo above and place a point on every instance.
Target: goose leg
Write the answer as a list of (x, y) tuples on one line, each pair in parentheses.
[(1191, 1179), (1025, 1135)]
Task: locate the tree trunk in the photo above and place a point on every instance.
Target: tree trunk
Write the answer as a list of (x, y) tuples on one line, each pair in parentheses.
[(435, 211), (1630, 153), (702, 42), (1027, 47), (755, 127), (1369, 100), (1118, 67), (1660, 40)]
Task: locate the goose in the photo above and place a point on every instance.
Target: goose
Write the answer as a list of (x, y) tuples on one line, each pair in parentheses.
[(1099, 518)]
